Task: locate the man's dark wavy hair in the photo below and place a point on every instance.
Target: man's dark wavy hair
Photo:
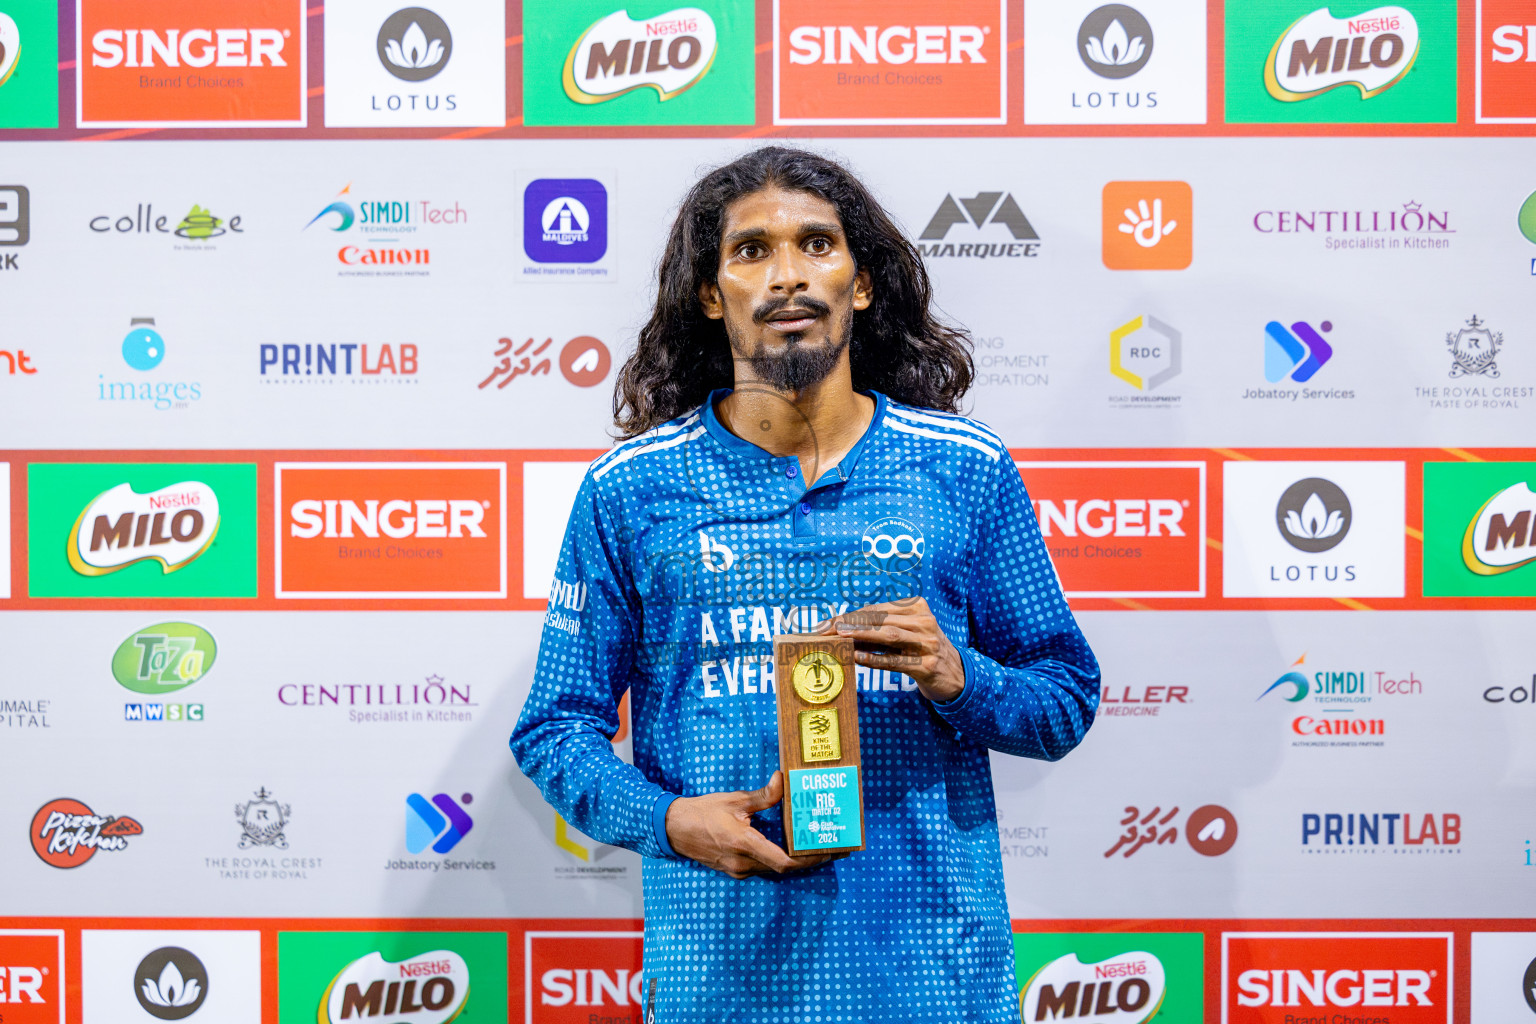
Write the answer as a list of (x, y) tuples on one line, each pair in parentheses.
[(898, 346)]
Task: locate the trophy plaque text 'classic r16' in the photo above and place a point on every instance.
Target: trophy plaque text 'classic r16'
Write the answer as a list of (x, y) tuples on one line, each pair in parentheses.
[(819, 743)]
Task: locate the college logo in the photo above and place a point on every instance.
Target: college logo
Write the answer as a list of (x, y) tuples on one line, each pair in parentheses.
[(29, 57), (1506, 62), (565, 220), (1145, 353), (414, 44), (1479, 529), (199, 225), (1210, 830), (832, 66), (66, 833), (1269, 976), (120, 527), (1148, 225), (1115, 41), (391, 529), (262, 821), (1474, 350), (168, 64), (1122, 529), (577, 975), (393, 977), (440, 823), (32, 976), (1108, 978), (982, 210), (171, 983)]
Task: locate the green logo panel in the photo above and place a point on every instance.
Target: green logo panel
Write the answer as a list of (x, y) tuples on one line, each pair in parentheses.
[(313, 965), (1425, 94), (59, 494), (634, 75), (29, 64), (1181, 954), (1478, 523)]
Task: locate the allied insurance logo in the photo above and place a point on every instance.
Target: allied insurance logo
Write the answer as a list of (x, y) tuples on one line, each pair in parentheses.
[(1110, 978), (32, 976), (392, 977), (391, 529), (898, 62), (1122, 529), (574, 977), (184, 64), (1280, 977), (1479, 529)]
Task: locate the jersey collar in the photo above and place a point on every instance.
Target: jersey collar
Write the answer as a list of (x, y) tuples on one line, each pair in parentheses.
[(744, 449)]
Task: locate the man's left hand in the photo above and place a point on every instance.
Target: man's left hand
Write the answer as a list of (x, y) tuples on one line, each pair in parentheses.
[(903, 636)]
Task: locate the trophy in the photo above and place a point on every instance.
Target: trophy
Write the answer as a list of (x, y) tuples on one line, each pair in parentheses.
[(819, 743)]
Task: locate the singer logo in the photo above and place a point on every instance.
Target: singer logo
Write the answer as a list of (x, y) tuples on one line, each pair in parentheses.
[(1271, 977), (1370, 51), (429, 988), (577, 977), (900, 62), (172, 526), (31, 978), (174, 64), (1506, 61), (391, 530), (1122, 529)]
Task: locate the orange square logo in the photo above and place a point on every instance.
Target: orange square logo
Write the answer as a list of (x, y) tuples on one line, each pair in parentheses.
[(1122, 529), (1148, 225), (391, 529), (896, 62), (1506, 61), (186, 64), (32, 977)]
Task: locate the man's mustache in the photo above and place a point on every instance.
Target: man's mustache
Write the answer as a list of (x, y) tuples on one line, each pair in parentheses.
[(772, 306)]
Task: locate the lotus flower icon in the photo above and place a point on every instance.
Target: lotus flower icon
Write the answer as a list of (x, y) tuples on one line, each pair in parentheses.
[(170, 989), (172, 983), (414, 50), (414, 44), (1315, 521), (1313, 515), (1116, 48), (1115, 41)]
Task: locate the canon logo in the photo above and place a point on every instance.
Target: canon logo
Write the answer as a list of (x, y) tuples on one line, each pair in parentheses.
[(21, 984), (1121, 517), (194, 48), (1336, 988), (590, 987), (332, 517), (896, 44)]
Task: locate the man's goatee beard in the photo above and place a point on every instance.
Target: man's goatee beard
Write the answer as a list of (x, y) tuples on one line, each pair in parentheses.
[(799, 366)]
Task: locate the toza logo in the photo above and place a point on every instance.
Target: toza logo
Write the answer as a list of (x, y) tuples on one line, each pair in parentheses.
[(669, 53), (429, 988), (120, 527), (414, 44), (1313, 515), (171, 983), (164, 658), (439, 823), (1371, 51), (1115, 41), (1127, 988), (1297, 353)]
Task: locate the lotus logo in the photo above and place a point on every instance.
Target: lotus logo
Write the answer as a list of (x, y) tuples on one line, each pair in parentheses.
[(414, 44), (1500, 537), (1314, 515), (10, 46), (1115, 41), (120, 527), (171, 983), (429, 988)]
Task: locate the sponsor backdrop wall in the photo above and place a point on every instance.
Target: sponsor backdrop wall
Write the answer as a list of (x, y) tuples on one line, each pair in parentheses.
[(309, 321)]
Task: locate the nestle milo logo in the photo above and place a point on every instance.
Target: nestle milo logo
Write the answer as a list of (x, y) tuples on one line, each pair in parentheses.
[(172, 526), (164, 658)]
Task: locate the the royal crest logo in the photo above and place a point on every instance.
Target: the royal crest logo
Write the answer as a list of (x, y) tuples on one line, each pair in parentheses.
[(1371, 51), (669, 53), (66, 833), (429, 988), (173, 526), (1474, 350), (1124, 989), (1500, 537), (263, 821)]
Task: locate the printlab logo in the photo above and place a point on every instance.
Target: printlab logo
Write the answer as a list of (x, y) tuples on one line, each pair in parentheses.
[(1146, 353), (584, 361), (565, 220), (1147, 225), (263, 821), (1368, 833), (1297, 353), (893, 544), (980, 211), (414, 44), (1313, 515), (333, 362), (1115, 41), (1474, 350), (1210, 830), (66, 833), (171, 983), (440, 823), (143, 349)]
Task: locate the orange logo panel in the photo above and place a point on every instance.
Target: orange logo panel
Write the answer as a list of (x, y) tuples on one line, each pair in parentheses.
[(183, 63), (1507, 59), (29, 978), (1276, 978), (1148, 225), (571, 974), (1122, 529), (378, 529), (900, 61)]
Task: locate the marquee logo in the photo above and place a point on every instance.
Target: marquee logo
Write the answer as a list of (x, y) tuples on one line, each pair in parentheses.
[(32, 976), (1502, 536), (669, 53), (983, 210), (429, 988), (1125, 988), (904, 62), (573, 976), (173, 526), (1268, 976), (1371, 51), (391, 529), (66, 833), (176, 64), (164, 658)]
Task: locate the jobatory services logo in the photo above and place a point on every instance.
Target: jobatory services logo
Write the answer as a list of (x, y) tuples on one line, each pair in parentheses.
[(66, 833), (160, 660), (1145, 353), (1110, 978), (1148, 225), (916, 64), (1210, 830), (391, 530), (1122, 529), (572, 976), (565, 227), (1295, 61), (1269, 976), (1313, 529), (144, 976), (599, 62), (393, 235), (141, 530), (994, 227), (1295, 353), (438, 824), (1478, 529), (29, 58), (178, 64), (439, 65), (1506, 62), (32, 975), (392, 977), (143, 350)]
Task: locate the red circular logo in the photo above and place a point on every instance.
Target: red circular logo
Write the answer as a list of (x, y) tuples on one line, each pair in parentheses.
[(1211, 830), (585, 361), (66, 833)]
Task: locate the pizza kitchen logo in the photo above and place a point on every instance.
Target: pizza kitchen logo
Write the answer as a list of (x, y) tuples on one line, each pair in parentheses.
[(121, 527), (1371, 51), (669, 53), (66, 833)]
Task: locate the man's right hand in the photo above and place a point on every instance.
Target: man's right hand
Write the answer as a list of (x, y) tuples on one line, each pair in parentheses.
[(716, 830)]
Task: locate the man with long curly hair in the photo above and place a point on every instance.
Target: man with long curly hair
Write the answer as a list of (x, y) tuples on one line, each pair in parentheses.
[(793, 461)]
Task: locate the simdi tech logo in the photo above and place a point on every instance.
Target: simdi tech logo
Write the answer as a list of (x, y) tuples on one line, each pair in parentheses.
[(1110, 978), (572, 977), (1479, 529), (1506, 62), (898, 62), (388, 240), (1148, 225), (608, 62), (1281, 977), (1122, 529), (1298, 61), (184, 64), (29, 60), (392, 977), (32, 976), (391, 529)]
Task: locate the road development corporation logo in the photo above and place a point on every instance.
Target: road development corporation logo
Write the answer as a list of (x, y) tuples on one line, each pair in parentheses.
[(845, 62), (1146, 353), (1109, 978), (392, 977), (1401, 976), (1479, 529), (176, 64), (32, 976), (571, 977), (66, 833), (390, 529), (1506, 62), (1148, 225), (1122, 529)]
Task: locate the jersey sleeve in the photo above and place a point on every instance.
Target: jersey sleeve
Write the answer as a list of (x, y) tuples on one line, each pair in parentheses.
[(562, 740), (1031, 681)]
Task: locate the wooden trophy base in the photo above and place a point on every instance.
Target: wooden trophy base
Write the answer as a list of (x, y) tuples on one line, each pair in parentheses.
[(819, 743)]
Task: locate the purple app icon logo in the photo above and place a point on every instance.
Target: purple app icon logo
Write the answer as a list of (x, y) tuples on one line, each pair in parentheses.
[(565, 220)]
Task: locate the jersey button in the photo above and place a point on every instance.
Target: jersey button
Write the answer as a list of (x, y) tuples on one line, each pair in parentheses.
[(805, 508), (789, 471)]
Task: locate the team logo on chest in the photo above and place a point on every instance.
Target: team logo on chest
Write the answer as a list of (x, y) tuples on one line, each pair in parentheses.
[(893, 544)]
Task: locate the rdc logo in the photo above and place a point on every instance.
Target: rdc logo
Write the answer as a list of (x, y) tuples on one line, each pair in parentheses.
[(892, 545)]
